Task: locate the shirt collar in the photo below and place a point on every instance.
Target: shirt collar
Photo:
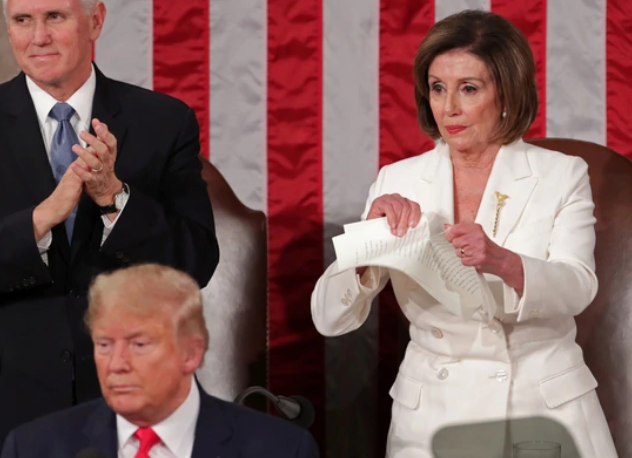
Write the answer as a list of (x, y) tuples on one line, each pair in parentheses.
[(81, 100), (173, 430)]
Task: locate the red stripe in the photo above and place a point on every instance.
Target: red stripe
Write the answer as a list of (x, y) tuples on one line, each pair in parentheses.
[(181, 56), (530, 17), (619, 69), (295, 202), (403, 24)]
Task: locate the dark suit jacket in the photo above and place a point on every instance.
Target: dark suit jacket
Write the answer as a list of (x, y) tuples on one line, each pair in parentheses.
[(223, 430), (46, 359)]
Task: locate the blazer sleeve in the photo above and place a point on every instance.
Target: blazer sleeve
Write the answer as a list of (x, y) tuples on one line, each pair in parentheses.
[(341, 302), (565, 283), (21, 265), (176, 229)]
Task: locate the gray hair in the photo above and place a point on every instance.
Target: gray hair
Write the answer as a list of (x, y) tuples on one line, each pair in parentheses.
[(88, 6)]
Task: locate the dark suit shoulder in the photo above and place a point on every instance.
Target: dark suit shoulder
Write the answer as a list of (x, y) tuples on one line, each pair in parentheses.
[(248, 418), (10, 88), (58, 435), (5, 88), (264, 435)]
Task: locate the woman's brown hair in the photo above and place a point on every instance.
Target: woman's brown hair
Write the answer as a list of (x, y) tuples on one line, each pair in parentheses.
[(507, 55)]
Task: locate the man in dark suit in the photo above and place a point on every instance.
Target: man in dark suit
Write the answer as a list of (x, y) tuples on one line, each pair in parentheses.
[(149, 334), (95, 175)]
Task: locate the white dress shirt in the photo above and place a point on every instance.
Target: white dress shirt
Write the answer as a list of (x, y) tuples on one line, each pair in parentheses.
[(177, 432), (81, 101)]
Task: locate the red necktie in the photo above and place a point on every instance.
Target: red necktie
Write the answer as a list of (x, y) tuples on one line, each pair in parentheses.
[(148, 438)]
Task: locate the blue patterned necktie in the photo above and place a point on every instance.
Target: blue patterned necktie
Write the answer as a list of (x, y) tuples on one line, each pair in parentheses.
[(61, 154)]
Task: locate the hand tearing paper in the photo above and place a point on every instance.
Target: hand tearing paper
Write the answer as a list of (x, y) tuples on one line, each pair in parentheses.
[(424, 255)]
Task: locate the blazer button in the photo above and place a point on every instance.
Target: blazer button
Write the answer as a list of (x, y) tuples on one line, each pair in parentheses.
[(443, 374), (11, 288), (501, 376), (32, 280), (25, 282), (118, 255), (436, 333), (66, 356), (495, 327)]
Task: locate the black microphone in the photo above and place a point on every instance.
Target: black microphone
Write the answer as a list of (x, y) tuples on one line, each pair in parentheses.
[(297, 409), (89, 453)]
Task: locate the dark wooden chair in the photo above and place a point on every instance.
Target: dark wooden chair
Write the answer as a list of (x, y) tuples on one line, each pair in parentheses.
[(235, 300), (605, 328)]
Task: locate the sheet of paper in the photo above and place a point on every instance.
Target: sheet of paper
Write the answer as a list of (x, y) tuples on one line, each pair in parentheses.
[(426, 257)]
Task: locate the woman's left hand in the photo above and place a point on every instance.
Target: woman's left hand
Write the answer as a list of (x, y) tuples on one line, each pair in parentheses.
[(477, 250), (474, 247)]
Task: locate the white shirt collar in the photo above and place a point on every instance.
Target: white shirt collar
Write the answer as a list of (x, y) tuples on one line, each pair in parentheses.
[(81, 100), (177, 431)]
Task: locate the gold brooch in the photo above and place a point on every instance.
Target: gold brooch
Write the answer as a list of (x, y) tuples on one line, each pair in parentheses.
[(500, 201)]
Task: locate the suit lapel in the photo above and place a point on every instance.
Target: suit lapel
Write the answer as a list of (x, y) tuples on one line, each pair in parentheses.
[(105, 107), (26, 145), (27, 149), (511, 176), (213, 431), (100, 429)]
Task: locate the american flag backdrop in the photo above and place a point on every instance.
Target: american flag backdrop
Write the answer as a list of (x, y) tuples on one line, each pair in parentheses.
[(301, 101)]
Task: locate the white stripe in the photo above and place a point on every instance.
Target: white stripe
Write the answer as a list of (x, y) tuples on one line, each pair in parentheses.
[(8, 66), (350, 163), (576, 70), (238, 141), (444, 8), (124, 51)]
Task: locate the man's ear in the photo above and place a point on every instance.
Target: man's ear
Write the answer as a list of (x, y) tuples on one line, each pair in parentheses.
[(193, 353), (97, 19)]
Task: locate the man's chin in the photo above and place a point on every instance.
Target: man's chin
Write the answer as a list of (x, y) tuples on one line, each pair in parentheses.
[(125, 405), (44, 78), (45, 73)]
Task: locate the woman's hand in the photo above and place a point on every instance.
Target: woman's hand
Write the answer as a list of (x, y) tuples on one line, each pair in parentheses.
[(401, 213), (477, 250)]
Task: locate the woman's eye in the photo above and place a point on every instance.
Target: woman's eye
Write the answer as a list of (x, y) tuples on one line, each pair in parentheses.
[(436, 88), (469, 89)]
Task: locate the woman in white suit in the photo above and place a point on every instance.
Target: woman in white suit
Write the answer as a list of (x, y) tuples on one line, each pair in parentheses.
[(522, 216)]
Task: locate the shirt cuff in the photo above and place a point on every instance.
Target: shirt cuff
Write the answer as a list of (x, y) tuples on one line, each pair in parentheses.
[(109, 225), (44, 243), (369, 279)]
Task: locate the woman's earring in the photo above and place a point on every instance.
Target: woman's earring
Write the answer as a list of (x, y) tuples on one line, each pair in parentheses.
[(504, 115)]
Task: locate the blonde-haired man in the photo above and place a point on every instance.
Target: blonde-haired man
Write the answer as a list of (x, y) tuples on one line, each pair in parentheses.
[(149, 336)]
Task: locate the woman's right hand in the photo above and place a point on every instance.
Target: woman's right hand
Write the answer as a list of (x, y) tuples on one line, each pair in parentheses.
[(401, 213)]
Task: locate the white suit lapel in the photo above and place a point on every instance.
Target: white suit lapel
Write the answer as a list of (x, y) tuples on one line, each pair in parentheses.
[(511, 176)]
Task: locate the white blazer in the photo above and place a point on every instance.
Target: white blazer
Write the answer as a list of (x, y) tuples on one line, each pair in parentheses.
[(523, 363)]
